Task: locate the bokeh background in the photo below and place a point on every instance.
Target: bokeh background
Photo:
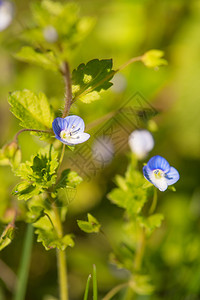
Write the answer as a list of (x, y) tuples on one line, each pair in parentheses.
[(123, 29)]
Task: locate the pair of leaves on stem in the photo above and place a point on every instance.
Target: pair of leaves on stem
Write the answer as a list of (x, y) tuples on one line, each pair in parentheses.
[(40, 188)]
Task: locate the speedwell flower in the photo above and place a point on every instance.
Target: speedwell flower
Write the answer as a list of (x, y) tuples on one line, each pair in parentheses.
[(70, 130), (6, 14), (159, 173)]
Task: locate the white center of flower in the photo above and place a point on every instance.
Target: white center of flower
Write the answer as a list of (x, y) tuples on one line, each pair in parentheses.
[(69, 134), (159, 174)]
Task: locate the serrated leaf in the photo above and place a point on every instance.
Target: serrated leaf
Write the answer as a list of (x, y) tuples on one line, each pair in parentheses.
[(32, 110), (68, 178), (7, 236), (91, 79), (151, 223), (153, 58), (39, 174), (46, 60), (48, 236), (92, 225)]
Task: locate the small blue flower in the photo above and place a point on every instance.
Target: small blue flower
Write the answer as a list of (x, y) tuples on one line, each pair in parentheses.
[(159, 173), (70, 130)]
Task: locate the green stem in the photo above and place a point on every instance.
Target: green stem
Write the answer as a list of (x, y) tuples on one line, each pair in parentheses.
[(154, 202), (115, 290), (24, 265), (87, 288), (140, 251), (94, 283), (62, 274), (61, 259)]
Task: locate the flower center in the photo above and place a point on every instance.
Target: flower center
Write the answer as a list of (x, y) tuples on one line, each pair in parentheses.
[(158, 174), (66, 134)]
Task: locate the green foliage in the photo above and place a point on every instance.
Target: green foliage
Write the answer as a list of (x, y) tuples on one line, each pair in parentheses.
[(7, 236), (141, 285), (10, 154), (68, 178), (153, 59), (130, 195), (92, 225), (39, 174), (91, 79), (46, 60), (49, 237), (32, 110), (151, 223)]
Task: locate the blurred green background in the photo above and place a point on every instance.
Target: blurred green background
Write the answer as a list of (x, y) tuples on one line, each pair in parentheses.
[(123, 29)]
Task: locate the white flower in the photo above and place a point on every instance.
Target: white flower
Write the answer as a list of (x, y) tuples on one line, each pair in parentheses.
[(6, 14), (141, 143), (50, 34)]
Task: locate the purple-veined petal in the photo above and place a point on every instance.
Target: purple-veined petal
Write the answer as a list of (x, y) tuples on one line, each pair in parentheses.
[(158, 162), (172, 176), (76, 139), (146, 173), (75, 122), (58, 125)]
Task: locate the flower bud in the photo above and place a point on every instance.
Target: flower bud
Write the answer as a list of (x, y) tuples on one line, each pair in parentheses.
[(141, 143), (12, 152)]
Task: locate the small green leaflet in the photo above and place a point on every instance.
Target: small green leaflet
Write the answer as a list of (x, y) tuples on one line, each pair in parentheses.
[(91, 79), (151, 223), (32, 110), (154, 58), (7, 236), (46, 60), (92, 225), (68, 178)]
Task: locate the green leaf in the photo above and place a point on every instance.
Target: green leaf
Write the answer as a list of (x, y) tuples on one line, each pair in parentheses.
[(92, 225), (32, 110), (7, 236), (153, 58), (46, 60), (68, 178), (141, 284), (48, 236), (91, 79), (151, 223), (39, 174), (130, 195)]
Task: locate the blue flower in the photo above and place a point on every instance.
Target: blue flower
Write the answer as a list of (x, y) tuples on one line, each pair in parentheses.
[(70, 130), (159, 173)]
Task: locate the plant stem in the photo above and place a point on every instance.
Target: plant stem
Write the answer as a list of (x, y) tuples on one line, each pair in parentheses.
[(115, 290), (26, 129), (68, 92), (154, 202), (94, 283), (140, 251), (61, 259), (24, 265), (130, 61), (87, 288)]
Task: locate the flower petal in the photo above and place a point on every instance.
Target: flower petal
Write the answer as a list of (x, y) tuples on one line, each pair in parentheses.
[(172, 176), (58, 125), (75, 121), (75, 139), (158, 162), (146, 173), (160, 183)]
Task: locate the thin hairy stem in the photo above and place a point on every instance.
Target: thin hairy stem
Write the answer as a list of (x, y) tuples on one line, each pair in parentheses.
[(26, 129), (68, 90), (140, 251)]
